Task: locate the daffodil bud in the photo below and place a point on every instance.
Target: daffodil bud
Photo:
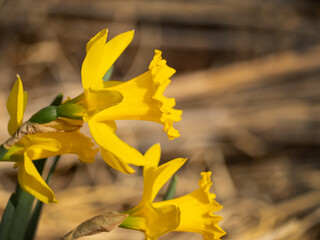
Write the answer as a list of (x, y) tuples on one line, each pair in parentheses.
[(45, 115)]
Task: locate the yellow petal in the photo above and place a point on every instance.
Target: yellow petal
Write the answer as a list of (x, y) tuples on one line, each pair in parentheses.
[(115, 162), (30, 181), (152, 156), (91, 63), (100, 35), (16, 105), (98, 100), (154, 222), (101, 56), (121, 153), (71, 143), (43, 145), (38, 146), (155, 177), (143, 99), (197, 210), (112, 50)]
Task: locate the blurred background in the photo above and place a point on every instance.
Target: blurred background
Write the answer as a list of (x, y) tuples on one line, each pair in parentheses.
[(248, 81)]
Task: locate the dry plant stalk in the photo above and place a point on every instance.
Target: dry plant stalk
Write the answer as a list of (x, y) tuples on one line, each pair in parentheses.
[(101, 223)]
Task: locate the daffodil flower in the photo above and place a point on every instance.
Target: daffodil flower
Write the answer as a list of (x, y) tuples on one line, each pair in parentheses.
[(190, 213), (41, 145), (138, 99)]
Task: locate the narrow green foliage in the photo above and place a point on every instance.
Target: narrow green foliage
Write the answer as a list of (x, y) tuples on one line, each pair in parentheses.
[(58, 100), (171, 191), (20, 217), (52, 169), (108, 74), (7, 217)]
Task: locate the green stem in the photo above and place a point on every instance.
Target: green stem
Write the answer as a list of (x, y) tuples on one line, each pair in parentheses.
[(3, 151)]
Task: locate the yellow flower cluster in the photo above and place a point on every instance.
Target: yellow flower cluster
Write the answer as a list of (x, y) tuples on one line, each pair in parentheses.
[(100, 104)]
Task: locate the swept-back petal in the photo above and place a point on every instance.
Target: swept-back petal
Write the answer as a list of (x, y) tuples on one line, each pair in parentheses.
[(197, 210), (143, 99), (91, 63), (43, 145), (111, 52), (30, 181), (120, 153), (100, 35), (16, 105), (155, 177), (115, 162), (152, 156), (34, 145), (71, 143), (101, 56)]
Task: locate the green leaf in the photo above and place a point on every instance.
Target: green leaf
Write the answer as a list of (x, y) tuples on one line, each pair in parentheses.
[(21, 214), (7, 217), (108, 74), (171, 191)]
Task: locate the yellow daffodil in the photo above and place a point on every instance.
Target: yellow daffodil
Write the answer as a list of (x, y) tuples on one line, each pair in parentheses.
[(38, 146), (190, 213), (138, 99)]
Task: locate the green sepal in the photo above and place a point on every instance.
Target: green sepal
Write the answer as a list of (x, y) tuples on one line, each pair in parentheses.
[(70, 110), (45, 115), (131, 222)]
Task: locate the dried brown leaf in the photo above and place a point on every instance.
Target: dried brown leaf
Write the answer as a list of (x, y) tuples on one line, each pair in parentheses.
[(101, 223)]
